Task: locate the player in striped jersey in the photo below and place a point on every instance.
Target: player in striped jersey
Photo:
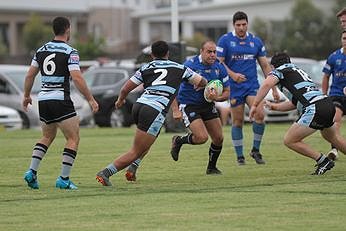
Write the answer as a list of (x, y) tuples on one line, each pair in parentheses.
[(316, 110), (58, 62), (161, 79)]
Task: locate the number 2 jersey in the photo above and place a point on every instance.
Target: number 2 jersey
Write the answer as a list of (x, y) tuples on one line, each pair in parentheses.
[(297, 86), (55, 60), (161, 80)]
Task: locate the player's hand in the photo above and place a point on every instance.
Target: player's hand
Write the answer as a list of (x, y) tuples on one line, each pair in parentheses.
[(177, 115), (26, 102), (212, 95), (119, 103), (275, 94), (269, 105), (252, 112), (94, 105), (239, 78)]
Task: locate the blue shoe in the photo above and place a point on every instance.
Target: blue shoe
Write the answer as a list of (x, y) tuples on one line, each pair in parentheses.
[(64, 184), (31, 179)]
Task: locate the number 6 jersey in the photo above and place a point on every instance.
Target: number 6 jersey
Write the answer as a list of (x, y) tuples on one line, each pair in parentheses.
[(55, 60)]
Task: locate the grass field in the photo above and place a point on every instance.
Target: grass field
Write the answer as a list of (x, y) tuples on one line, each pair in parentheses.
[(168, 195)]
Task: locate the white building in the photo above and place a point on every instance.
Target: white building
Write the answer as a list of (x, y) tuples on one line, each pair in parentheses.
[(129, 24)]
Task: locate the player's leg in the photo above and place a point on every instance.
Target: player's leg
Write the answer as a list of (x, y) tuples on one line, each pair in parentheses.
[(333, 153), (70, 129), (237, 115), (131, 171), (141, 144), (197, 135), (48, 134), (258, 127), (214, 128)]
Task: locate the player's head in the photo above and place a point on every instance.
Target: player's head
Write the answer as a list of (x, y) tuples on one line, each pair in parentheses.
[(279, 59), (159, 49), (61, 26), (343, 39), (341, 15), (240, 23), (208, 52)]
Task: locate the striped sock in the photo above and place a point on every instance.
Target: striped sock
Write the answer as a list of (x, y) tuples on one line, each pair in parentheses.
[(237, 139), (37, 155), (214, 153), (258, 131), (68, 158), (111, 170)]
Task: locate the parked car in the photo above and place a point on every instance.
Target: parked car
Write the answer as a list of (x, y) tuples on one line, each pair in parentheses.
[(105, 84), (9, 119), (11, 95)]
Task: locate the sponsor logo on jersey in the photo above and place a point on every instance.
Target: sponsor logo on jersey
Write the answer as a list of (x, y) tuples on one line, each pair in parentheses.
[(233, 44), (252, 44)]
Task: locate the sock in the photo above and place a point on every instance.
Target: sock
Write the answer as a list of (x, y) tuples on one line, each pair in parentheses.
[(214, 153), (110, 170), (37, 155), (136, 163), (185, 139), (321, 159), (68, 157), (237, 139), (258, 131)]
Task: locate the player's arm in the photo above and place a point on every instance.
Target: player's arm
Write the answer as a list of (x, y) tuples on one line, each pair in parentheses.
[(268, 83), (237, 77), (198, 81), (124, 91), (225, 95), (283, 106), (29, 81), (266, 69), (177, 114), (325, 83), (80, 84)]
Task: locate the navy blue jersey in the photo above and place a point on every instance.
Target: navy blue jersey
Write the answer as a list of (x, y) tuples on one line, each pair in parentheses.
[(336, 66), (161, 80), (297, 85), (187, 94), (241, 55), (55, 60)]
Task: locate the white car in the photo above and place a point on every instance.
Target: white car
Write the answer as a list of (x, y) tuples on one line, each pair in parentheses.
[(9, 119), (11, 95)]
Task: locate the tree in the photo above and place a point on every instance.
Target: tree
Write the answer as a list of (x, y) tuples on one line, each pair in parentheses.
[(89, 47), (35, 33)]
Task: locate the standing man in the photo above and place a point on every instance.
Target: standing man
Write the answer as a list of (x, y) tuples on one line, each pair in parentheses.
[(238, 51), (57, 61), (200, 116), (316, 110), (336, 66), (161, 79)]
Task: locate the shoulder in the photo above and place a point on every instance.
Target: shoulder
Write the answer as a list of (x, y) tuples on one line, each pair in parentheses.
[(255, 38)]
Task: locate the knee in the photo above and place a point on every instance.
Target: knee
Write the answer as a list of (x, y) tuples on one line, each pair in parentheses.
[(218, 140), (288, 142)]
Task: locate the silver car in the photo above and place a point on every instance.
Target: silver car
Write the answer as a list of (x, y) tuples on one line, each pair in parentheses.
[(9, 119), (11, 95)]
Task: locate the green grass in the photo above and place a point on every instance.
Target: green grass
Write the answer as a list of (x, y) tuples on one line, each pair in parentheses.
[(168, 195)]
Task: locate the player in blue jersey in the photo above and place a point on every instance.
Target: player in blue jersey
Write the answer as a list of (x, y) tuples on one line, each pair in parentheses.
[(200, 116), (161, 79), (238, 51), (316, 110), (58, 62), (336, 66)]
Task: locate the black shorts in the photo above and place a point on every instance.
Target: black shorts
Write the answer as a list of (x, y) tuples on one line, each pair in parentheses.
[(318, 115), (193, 112), (340, 102), (52, 111), (147, 118)]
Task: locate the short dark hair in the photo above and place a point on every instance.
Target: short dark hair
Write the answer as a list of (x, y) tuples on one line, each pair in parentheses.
[(239, 15), (60, 25), (159, 49), (341, 12), (279, 59), (205, 42)]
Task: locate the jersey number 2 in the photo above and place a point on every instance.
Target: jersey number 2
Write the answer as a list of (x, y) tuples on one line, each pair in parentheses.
[(159, 80)]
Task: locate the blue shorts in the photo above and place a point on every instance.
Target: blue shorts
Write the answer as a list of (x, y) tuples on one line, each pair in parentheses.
[(238, 96), (147, 118), (318, 115)]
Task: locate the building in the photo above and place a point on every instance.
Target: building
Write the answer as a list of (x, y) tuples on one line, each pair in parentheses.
[(128, 25)]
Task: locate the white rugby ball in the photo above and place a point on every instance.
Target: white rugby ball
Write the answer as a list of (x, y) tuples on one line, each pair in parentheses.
[(213, 84)]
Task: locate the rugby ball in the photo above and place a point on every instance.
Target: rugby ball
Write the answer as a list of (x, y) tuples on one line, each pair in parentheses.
[(213, 85)]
